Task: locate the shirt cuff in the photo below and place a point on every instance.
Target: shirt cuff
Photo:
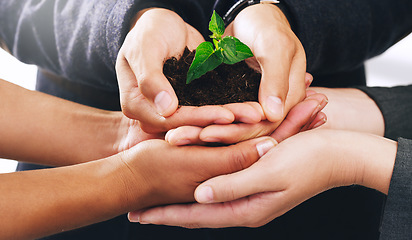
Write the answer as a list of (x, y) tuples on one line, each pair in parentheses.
[(397, 215)]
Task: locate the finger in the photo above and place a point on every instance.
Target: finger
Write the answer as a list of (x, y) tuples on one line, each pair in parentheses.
[(233, 133), (297, 118), (308, 80), (194, 38), (252, 211), (186, 116), (297, 79), (237, 185), (185, 135), (320, 120), (274, 88), (248, 112), (225, 160), (134, 104), (301, 116)]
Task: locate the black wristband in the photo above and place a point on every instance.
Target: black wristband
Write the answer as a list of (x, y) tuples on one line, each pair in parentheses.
[(239, 6)]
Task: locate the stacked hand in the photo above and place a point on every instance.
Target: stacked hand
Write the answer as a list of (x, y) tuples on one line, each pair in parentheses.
[(159, 34)]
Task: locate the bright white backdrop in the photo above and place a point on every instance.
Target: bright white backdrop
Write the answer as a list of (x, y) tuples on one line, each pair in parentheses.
[(394, 67)]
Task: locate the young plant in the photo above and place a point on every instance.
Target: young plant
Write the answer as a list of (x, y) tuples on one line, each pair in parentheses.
[(209, 56)]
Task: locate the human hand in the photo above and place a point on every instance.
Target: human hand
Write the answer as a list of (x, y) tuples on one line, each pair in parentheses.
[(156, 172), (352, 109), (297, 169), (279, 55), (304, 116), (146, 94)]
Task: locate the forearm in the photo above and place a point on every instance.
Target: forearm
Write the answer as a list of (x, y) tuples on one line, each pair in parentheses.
[(44, 202), (42, 129)]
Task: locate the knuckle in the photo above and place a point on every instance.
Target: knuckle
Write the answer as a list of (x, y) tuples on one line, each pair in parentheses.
[(240, 159), (253, 221)]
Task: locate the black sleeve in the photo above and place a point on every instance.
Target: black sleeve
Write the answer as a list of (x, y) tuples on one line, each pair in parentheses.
[(396, 106), (79, 40), (339, 36), (397, 216)]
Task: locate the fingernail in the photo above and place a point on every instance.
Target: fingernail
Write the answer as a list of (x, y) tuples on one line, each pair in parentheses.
[(211, 139), (264, 147), (162, 102), (316, 111), (274, 105), (204, 195), (167, 136), (320, 123), (182, 142), (134, 217)]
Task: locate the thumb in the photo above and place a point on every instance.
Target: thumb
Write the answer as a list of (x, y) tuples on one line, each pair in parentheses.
[(273, 91), (236, 185), (157, 89)]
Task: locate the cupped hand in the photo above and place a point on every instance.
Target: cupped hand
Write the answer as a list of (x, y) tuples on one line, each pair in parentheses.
[(295, 170), (146, 95), (304, 116), (159, 173), (278, 54)]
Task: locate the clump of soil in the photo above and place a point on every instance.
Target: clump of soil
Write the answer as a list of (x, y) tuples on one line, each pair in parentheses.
[(226, 84)]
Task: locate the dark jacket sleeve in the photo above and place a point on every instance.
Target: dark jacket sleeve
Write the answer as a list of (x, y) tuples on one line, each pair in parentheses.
[(396, 106), (397, 217), (339, 36), (79, 40)]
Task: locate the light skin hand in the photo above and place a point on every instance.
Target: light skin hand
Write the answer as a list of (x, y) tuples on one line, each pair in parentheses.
[(304, 116), (352, 109), (279, 55), (253, 197), (146, 95)]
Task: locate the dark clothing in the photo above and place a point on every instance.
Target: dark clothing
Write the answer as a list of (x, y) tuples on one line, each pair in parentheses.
[(398, 208), (78, 41)]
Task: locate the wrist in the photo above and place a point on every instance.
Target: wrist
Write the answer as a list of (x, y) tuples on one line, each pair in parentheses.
[(360, 159), (231, 11), (351, 109), (132, 189)]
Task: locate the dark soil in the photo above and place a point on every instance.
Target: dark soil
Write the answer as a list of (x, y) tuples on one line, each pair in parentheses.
[(226, 84)]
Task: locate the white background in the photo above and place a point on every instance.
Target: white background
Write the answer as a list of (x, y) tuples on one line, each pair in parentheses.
[(394, 67)]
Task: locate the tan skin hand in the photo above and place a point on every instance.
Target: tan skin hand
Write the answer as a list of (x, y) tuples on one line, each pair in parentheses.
[(279, 55), (169, 174)]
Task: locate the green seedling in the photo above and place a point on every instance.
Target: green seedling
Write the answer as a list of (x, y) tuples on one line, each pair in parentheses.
[(209, 56)]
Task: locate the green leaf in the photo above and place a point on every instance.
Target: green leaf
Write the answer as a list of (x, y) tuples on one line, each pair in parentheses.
[(242, 52), (216, 25), (228, 44), (206, 59)]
